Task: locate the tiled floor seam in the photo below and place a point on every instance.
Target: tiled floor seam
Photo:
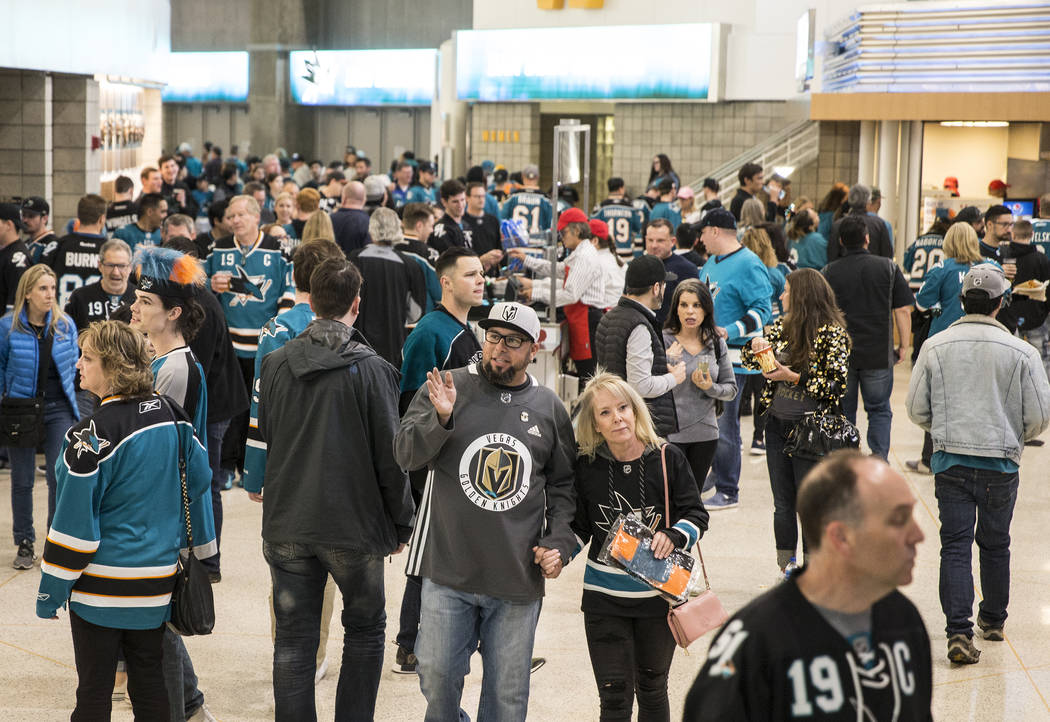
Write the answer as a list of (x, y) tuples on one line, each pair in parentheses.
[(37, 654)]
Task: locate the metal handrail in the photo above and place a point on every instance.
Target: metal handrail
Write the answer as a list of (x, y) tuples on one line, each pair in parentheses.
[(794, 146)]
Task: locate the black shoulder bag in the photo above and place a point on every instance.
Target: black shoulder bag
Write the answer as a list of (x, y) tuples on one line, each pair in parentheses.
[(820, 432), (22, 420), (192, 603)]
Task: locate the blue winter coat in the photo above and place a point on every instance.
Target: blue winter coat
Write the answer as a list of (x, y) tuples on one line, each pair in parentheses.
[(19, 361)]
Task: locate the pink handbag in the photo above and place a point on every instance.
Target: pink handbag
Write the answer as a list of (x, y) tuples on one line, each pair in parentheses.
[(693, 619)]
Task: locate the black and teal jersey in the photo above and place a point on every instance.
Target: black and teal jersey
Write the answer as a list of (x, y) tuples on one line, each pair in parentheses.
[(112, 547), (419, 194), (74, 259), (921, 256), (625, 227), (261, 287), (278, 331), (179, 375), (1041, 234), (135, 236), (671, 212), (532, 206), (439, 341)]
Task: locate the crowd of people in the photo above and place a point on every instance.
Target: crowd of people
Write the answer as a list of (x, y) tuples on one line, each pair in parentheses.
[(353, 349)]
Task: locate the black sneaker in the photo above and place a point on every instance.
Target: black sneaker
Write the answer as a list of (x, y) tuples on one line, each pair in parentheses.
[(962, 651), (537, 662), (25, 557), (992, 632), (406, 662)]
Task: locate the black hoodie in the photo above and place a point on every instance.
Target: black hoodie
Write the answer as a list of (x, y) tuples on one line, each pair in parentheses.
[(328, 414)]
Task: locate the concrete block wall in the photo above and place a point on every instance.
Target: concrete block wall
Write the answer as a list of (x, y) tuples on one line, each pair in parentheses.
[(697, 137), (76, 170), (25, 134), (488, 120), (836, 161)]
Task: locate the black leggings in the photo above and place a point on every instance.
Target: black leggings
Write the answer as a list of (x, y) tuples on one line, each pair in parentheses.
[(95, 650), (700, 454), (630, 657)]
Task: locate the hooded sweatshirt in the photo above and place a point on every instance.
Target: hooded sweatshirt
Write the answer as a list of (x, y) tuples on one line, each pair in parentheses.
[(328, 415)]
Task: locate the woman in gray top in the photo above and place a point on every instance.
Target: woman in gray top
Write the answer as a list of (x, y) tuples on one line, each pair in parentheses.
[(690, 336)]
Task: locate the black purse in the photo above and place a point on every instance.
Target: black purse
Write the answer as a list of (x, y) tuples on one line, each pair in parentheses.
[(22, 420), (192, 602), (818, 433)]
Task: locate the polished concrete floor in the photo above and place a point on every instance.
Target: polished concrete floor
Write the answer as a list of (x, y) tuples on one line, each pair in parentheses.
[(1011, 682)]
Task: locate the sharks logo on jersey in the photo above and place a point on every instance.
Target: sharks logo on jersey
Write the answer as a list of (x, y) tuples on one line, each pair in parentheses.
[(248, 288), (88, 440)]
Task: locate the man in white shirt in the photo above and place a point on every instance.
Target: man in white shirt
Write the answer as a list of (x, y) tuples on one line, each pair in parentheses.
[(581, 291)]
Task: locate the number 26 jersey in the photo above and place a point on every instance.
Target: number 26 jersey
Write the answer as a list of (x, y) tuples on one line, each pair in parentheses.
[(778, 658)]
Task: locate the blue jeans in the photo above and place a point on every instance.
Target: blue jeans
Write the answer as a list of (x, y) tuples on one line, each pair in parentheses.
[(1040, 338), (963, 494), (299, 573), (58, 417), (216, 431), (876, 385), (450, 626), (726, 466), (184, 698)]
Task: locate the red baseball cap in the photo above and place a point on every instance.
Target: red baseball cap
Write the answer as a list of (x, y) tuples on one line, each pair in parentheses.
[(600, 228), (951, 183), (998, 185), (573, 215)]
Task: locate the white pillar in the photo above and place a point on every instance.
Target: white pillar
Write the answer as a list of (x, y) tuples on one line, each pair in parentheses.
[(888, 132), (913, 201), (866, 161), (905, 189), (448, 118)]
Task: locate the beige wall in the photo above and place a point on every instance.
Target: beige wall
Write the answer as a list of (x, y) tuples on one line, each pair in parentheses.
[(836, 161), (973, 155), (492, 135), (698, 137), (25, 134)]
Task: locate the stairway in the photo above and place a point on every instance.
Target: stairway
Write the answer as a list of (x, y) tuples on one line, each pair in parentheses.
[(793, 147)]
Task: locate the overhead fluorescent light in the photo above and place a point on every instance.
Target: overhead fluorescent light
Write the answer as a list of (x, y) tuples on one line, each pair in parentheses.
[(784, 170), (975, 123)]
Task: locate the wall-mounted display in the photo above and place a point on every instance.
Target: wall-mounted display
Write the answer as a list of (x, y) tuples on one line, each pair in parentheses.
[(628, 62), (363, 77), (122, 125), (219, 77)]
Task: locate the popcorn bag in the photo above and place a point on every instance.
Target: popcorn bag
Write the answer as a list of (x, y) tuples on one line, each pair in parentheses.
[(628, 546)]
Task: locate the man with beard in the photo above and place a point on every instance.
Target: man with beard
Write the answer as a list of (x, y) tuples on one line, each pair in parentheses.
[(500, 448)]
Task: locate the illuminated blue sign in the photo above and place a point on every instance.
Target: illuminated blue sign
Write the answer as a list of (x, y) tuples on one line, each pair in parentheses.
[(207, 77), (363, 77), (629, 62)]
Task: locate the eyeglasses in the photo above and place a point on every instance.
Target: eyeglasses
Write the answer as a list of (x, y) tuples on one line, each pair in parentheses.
[(116, 266), (1006, 224), (511, 342)]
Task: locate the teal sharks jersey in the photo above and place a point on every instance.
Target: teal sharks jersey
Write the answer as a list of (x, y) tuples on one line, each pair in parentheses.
[(260, 287)]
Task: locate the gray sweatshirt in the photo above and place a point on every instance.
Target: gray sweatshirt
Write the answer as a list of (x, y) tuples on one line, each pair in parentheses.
[(696, 407), (500, 481)]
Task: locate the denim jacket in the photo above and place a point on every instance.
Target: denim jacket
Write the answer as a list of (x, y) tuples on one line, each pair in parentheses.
[(979, 390)]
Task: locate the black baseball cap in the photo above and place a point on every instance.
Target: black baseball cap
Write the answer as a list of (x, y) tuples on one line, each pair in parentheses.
[(425, 166), (719, 218), (969, 214), (11, 212), (37, 205), (646, 270)]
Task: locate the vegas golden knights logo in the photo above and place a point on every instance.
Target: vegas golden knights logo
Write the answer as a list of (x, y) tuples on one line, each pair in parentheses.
[(495, 472)]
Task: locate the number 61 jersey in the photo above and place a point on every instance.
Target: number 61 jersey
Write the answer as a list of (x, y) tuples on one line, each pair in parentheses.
[(778, 658)]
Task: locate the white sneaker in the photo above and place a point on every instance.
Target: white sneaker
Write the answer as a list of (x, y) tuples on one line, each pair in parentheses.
[(202, 715), (321, 671)]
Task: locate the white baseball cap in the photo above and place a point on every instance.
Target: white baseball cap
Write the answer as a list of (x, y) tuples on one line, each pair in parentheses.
[(515, 316)]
